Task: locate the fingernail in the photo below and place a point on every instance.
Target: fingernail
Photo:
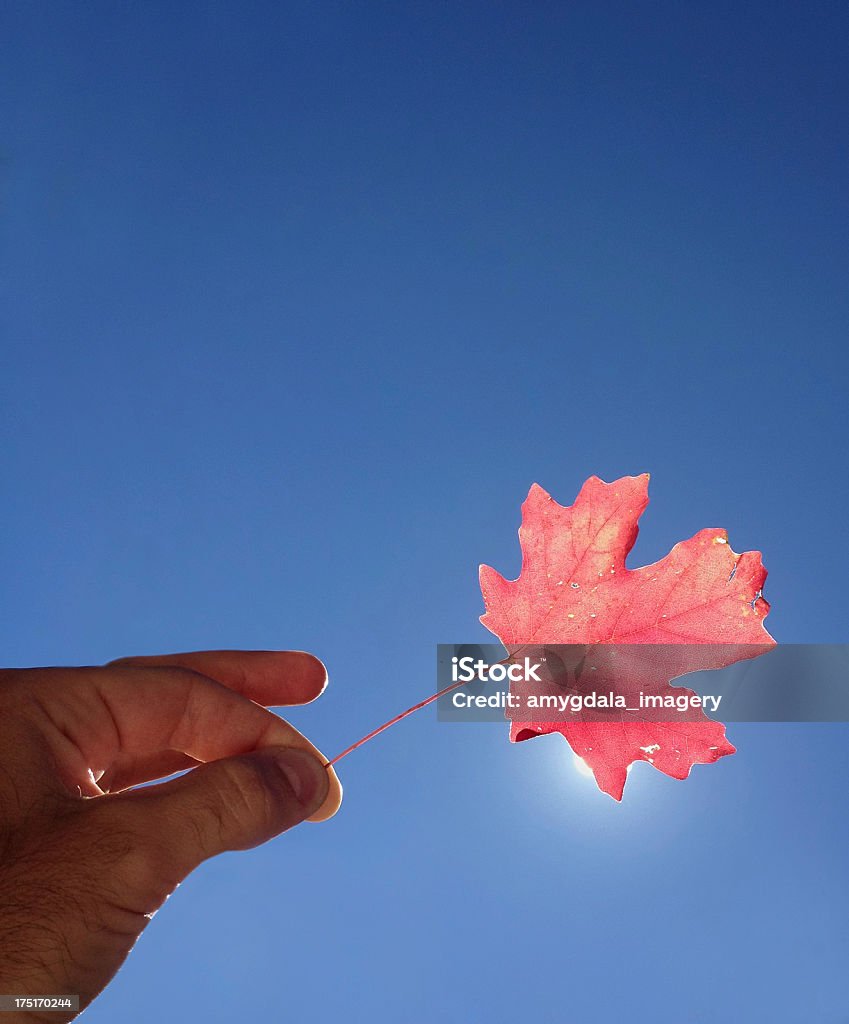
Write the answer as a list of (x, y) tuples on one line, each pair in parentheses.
[(304, 773)]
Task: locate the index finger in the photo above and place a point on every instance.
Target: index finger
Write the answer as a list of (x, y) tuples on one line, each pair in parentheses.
[(271, 678), (99, 715)]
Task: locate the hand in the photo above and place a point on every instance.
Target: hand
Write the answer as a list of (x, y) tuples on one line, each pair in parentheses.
[(86, 859)]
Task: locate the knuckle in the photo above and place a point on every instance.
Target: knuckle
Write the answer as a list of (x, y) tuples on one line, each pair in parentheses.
[(133, 862), (244, 792)]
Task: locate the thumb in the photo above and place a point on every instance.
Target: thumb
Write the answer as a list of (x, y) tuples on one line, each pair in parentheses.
[(232, 804)]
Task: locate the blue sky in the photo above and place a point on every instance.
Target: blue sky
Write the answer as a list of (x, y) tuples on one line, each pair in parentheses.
[(296, 302)]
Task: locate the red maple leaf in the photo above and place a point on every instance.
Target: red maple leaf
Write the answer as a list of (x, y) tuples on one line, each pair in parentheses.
[(574, 588)]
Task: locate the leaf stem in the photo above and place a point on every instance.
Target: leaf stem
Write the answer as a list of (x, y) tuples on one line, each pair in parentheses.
[(376, 732)]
